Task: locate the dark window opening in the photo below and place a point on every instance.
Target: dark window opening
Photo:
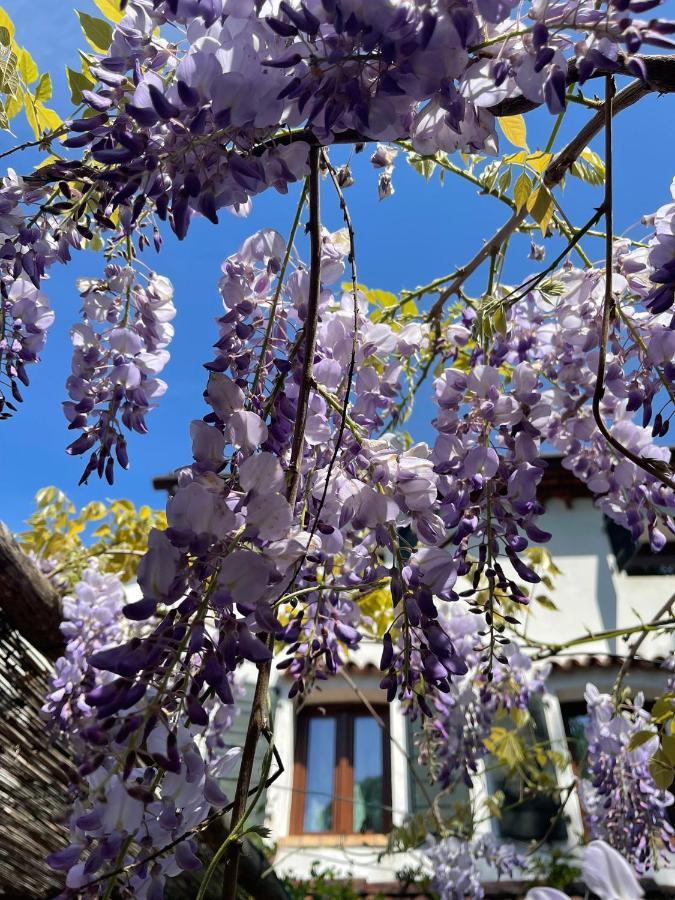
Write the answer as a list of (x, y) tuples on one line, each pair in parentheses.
[(528, 818), (636, 557)]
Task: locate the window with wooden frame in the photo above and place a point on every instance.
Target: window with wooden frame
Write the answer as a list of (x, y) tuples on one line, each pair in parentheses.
[(342, 772)]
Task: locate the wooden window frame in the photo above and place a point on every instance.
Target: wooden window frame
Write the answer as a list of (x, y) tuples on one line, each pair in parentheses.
[(343, 771)]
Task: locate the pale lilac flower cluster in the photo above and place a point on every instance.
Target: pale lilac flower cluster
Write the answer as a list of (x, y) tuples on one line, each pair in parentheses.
[(560, 334), (452, 742), (131, 801), (27, 248), (119, 349), (459, 866), (623, 805), (427, 72), (92, 620)]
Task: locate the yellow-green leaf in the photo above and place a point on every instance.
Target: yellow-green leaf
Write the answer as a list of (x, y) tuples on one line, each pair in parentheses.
[(43, 91), (110, 9), (589, 167), (515, 130), (522, 190), (6, 22), (31, 115), (48, 119), (540, 207), (27, 66), (98, 32), (77, 82), (539, 160), (14, 105)]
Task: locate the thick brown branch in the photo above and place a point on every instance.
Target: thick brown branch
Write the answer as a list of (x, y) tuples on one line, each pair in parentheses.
[(28, 601), (660, 78)]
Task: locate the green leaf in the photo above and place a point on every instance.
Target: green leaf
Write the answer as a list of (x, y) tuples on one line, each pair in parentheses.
[(668, 747), (515, 130), (640, 738), (27, 66), (110, 9), (43, 91), (423, 166), (97, 31), (545, 601), (77, 82), (661, 770), (504, 182), (522, 190), (663, 709)]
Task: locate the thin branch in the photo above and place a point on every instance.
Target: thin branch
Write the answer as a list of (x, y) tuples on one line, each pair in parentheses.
[(311, 322), (549, 650), (635, 646), (656, 468), (277, 292), (531, 283), (344, 416)]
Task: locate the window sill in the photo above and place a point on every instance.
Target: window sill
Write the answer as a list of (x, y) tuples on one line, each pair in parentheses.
[(333, 840)]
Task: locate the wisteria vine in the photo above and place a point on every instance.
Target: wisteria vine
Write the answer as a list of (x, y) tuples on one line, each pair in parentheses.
[(302, 497)]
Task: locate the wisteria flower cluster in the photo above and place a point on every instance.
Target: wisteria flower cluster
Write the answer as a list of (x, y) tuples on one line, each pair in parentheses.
[(624, 806), (457, 865), (253, 527), (119, 349), (130, 803), (300, 499)]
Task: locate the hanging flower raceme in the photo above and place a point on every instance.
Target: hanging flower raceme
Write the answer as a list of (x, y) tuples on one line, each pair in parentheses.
[(146, 780), (119, 349), (624, 807), (455, 864), (28, 246)]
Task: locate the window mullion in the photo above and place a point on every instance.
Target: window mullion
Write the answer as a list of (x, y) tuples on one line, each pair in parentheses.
[(344, 776)]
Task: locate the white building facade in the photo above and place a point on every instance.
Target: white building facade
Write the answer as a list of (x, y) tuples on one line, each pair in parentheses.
[(605, 585)]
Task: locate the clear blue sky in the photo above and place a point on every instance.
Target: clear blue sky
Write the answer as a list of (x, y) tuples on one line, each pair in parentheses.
[(424, 231)]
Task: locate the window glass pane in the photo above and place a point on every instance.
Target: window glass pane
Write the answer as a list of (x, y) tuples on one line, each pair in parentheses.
[(368, 776), (320, 772), (576, 739)]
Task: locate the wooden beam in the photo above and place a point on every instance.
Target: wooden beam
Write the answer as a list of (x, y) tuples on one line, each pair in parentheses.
[(28, 601)]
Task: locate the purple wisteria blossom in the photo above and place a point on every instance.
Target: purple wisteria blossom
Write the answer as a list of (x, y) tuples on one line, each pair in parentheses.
[(623, 805)]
